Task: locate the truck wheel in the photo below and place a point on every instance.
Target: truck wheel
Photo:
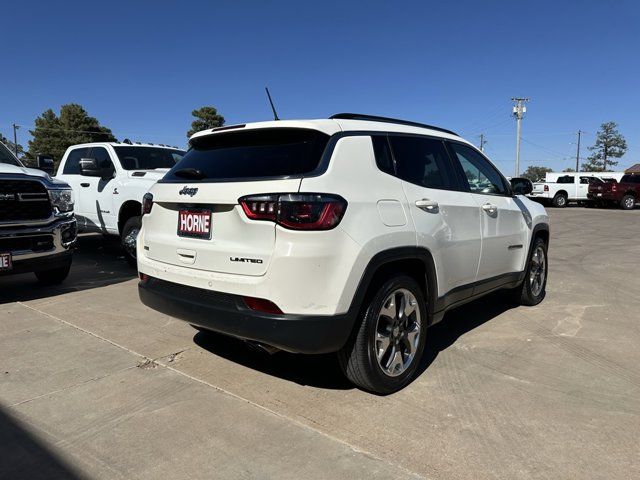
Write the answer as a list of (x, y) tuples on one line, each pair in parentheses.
[(54, 276), (628, 202), (560, 200), (383, 354), (129, 236), (533, 288)]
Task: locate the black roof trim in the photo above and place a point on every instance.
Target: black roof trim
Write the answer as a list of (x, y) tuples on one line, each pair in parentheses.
[(374, 118)]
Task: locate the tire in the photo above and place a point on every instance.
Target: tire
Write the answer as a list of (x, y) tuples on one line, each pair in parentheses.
[(128, 239), (560, 200), (55, 275), (628, 202), (359, 357), (529, 293)]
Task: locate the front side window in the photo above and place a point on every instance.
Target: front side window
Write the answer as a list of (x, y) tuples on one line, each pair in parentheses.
[(7, 157), (72, 165), (147, 158), (102, 157), (481, 176), (422, 161)]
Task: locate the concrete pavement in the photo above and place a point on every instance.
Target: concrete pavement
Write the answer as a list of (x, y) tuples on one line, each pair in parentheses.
[(93, 384)]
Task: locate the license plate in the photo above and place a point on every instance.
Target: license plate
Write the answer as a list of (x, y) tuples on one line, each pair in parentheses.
[(194, 224), (5, 261)]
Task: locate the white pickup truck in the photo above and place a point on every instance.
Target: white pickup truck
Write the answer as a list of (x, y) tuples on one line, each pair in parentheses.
[(109, 181), (570, 187)]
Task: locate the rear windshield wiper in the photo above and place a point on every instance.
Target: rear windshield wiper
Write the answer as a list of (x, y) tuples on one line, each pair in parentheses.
[(192, 173)]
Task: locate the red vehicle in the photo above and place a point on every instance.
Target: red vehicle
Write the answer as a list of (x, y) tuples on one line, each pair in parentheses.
[(624, 193)]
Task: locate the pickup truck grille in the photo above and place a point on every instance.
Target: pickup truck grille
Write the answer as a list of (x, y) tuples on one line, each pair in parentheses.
[(23, 200), (38, 243)]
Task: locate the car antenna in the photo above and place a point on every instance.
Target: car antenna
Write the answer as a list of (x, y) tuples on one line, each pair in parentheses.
[(275, 114)]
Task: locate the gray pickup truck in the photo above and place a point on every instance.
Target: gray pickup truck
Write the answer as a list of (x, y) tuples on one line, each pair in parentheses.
[(37, 226)]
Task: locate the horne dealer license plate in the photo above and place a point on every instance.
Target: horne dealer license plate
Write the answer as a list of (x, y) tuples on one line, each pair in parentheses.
[(194, 224), (5, 261)]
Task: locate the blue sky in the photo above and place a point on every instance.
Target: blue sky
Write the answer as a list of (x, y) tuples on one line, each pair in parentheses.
[(141, 67)]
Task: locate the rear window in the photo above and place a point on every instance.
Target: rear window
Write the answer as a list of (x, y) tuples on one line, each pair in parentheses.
[(147, 158), (276, 152), (566, 179)]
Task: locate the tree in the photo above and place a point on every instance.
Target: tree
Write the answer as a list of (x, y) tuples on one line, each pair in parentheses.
[(54, 134), (535, 174), (12, 146), (609, 144), (568, 170), (206, 117)]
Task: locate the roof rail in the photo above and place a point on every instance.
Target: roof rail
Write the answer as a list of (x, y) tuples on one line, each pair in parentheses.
[(374, 118)]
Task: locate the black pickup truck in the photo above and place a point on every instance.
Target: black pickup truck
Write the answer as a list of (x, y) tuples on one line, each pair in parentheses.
[(37, 226)]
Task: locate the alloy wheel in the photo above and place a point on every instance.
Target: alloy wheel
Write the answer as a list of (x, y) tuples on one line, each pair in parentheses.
[(397, 333), (538, 270)]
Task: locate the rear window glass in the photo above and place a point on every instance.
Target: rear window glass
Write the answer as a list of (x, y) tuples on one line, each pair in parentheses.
[(276, 152), (147, 158), (566, 179)]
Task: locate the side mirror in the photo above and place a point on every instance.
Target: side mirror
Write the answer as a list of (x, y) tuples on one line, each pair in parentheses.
[(89, 168), (44, 162), (521, 186)]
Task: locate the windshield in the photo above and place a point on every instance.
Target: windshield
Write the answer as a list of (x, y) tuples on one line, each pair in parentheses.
[(148, 158), (259, 153), (7, 157)]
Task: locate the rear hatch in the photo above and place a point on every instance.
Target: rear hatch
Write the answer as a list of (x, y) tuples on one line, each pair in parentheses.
[(538, 187), (196, 219)]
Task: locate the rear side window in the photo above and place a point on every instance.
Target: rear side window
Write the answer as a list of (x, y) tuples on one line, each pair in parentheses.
[(422, 161), (630, 179), (381, 149), (566, 179), (72, 165), (275, 152)]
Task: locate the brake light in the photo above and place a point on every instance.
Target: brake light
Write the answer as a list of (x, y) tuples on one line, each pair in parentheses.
[(614, 187), (546, 188), (296, 211), (261, 305), (147, 203)]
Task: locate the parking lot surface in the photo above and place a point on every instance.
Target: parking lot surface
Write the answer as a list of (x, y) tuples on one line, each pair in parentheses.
[(95, 385)]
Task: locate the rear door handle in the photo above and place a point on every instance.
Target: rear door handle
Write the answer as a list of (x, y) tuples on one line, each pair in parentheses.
[(427, 205), (490, 208), (85, 184)]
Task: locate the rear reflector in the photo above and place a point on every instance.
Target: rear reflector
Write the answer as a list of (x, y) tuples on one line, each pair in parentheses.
[(143, 276), (147, 203), (261, 305), (296, 211)]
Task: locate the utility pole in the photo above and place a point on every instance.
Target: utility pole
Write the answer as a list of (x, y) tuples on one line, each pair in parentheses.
[(15, 138), (518, 111), (482, 142), (580, 132)]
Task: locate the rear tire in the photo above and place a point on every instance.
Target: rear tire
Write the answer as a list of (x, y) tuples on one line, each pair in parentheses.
[(560, 200), (55, 275), (384, 351), (129, 239), (533, 288), (628, 202)]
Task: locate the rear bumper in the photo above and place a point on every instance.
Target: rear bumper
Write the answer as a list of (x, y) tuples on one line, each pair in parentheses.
[(226, 313)]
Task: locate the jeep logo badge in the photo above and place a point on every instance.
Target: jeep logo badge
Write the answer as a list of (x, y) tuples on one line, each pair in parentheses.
[(188, 191)]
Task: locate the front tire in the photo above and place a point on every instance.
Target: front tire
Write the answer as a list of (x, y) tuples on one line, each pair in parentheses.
[(384, 352), (533, 288), (54, 276), (129, 239)]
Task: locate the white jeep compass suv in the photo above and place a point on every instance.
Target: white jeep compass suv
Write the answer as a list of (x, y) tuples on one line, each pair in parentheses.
[(351, 234)]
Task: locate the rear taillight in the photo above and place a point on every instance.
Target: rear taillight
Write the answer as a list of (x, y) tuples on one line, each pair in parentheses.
[(147, 203), (546, 188), (614, 187), (296, 211)]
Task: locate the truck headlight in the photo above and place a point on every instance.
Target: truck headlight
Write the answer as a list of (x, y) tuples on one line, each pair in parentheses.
[(62, 199)]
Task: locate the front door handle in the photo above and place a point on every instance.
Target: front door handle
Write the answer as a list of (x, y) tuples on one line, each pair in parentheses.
[(85, 184), (427, 205), (490, 208)]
